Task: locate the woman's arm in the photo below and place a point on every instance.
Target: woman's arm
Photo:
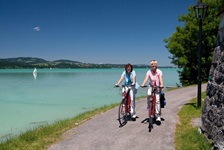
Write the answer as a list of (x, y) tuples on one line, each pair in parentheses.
[(145, 80), (161, 80), (133, 80), (119, 81)]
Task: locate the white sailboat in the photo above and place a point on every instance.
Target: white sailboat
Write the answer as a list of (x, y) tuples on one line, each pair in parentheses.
[(35, 71)]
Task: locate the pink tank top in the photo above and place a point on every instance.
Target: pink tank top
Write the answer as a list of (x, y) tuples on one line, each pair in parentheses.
[(154, 77)]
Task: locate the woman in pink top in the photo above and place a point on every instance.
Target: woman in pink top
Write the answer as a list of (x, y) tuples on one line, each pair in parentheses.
[(155, 77)]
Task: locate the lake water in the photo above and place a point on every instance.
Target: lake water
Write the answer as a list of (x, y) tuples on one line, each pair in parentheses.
[(27, 101)]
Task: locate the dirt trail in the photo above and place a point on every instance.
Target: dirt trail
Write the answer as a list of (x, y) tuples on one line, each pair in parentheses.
[(103, 133)]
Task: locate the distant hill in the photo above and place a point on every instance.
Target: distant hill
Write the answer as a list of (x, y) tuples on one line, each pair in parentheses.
[(31, 62), (24, 60)]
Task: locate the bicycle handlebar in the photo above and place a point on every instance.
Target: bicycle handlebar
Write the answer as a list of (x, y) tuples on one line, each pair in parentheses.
[(144, 86), (151, 86), (124, 86)]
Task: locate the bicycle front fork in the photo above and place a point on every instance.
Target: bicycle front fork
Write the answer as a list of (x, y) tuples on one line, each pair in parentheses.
[(151, 100)]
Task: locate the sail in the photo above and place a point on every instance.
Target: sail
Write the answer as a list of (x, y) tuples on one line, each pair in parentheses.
[(35, 71)]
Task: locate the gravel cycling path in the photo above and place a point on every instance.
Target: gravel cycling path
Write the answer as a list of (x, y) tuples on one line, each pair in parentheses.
[(102, 132)]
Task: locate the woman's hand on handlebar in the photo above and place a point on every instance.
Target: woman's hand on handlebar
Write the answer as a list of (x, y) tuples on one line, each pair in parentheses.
[(161, 88), (116, 85), (143, 86)]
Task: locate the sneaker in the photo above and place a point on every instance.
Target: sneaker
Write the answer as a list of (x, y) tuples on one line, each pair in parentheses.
[(158, 119), (134, 116)]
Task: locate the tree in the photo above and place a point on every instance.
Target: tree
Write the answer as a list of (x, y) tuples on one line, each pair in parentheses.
[(183, 44)]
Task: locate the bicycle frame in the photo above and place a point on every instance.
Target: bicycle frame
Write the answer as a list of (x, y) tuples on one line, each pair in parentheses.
[(151, 102), (151, 106), (126, 98)]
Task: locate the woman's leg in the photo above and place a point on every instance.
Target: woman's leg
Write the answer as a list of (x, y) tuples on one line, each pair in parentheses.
[(132, 95), (158, 107), (157, 104), (149, 95)]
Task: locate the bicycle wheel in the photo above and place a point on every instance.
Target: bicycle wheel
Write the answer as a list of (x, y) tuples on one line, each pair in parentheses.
[(150, 116), (122, 113)]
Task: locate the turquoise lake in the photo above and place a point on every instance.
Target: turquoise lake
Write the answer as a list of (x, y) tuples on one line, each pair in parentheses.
[(27, 101)]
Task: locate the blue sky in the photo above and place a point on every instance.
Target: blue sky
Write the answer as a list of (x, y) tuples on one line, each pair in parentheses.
[(90, 31)]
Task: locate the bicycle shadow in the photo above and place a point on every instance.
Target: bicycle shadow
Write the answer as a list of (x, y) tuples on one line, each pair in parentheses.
[(146, 120)]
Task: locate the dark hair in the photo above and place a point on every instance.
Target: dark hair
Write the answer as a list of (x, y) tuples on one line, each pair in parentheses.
[(128, 65)]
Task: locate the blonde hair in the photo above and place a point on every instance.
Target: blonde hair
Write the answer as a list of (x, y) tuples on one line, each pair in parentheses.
[(153, 62)]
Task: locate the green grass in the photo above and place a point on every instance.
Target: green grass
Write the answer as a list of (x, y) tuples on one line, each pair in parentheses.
[(188, 137), (43, 136)]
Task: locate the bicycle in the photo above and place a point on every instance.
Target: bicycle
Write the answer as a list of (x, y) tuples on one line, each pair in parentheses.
[(124, 111), (151, 102)]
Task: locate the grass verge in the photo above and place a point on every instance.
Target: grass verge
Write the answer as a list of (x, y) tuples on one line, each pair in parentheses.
[(187, 137)]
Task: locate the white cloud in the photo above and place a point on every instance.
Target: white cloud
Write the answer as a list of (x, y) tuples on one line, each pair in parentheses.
[(36, 29)]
